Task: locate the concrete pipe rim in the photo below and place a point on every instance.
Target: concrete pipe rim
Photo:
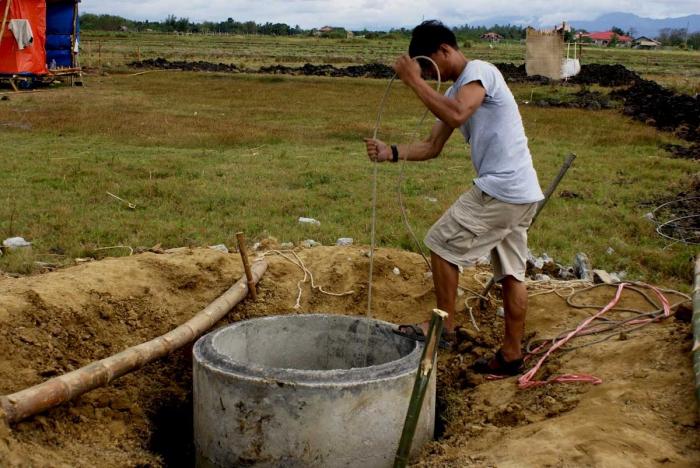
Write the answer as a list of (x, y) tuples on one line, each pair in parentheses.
[(206, 355)]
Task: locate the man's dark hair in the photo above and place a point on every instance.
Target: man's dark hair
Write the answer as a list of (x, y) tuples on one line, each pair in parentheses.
[(428, 36)]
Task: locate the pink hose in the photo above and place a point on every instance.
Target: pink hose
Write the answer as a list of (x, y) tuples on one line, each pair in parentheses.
[(526, 380)]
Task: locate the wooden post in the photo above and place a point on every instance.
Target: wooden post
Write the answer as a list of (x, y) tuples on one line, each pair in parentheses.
[(696, 327), (4, 19), (425, 368), (240, 237)]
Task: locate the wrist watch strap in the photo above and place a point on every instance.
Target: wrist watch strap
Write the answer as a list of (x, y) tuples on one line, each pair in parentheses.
[(394, 153)]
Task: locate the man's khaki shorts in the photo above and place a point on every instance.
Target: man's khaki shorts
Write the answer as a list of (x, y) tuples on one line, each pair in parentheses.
[(478, 224)]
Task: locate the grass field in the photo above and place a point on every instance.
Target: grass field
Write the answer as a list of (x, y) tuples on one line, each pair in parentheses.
[(205, 155), (676, 68)]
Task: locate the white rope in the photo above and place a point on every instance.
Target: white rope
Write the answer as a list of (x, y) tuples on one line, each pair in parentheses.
[(307, 274), (373, 223), (401, 171)]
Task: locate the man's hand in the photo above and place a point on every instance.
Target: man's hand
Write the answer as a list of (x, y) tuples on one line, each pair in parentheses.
[(407, 69), (377, 150)]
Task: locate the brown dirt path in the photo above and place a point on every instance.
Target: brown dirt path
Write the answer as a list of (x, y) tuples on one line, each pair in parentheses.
[(644, 414)]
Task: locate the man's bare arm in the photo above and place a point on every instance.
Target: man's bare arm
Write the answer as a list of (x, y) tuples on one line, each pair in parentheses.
[(430, 148), (453, 111)]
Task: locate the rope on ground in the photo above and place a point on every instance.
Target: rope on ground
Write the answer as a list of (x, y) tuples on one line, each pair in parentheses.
[(639, 320), (307, 274)]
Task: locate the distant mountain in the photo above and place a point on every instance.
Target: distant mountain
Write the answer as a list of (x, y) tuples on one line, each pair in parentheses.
[(640, 26)]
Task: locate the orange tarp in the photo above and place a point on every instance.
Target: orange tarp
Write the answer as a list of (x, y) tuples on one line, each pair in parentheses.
[(31, 59)]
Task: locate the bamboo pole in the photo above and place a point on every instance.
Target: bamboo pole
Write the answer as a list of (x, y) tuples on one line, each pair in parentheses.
[(4, 19), (240, 237), (547, 195), (696, 328), (425, 368), (33, 400)]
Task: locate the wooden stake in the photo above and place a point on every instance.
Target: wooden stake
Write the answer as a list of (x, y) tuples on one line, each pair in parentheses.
[(696, 327), (59, 390), (425, 368), (4, 19), (240, 237)]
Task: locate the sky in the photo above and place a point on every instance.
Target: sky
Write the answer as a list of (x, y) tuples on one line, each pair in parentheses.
[(385, 14)]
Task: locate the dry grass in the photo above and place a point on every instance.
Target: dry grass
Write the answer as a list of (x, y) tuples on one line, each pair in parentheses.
[(205, 155)]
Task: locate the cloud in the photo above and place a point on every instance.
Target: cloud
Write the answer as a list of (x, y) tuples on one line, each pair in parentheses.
[(357, 14)]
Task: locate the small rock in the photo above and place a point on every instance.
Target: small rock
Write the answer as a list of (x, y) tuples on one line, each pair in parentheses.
[(640, 374), (309, 243), (286, 246), (500, 312), (650, 217), (220, 248), (542, 277), (467, 334), (344, 241), (396, 271), (464, 347), (428, 274), (582, 266), (602, 276), (460, 292), (431, 199), (257, 246), (476, 429), (566, 272), (312, 221), (15, 243), (610, 251)]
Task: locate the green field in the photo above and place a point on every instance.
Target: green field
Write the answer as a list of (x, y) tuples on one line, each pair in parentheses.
[(205, 155), (677, 68)]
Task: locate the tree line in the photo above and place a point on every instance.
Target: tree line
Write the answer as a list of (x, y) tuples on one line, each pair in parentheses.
[(92, 22)]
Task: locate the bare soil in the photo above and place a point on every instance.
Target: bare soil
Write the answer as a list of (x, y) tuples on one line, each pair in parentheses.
[(644, 413)]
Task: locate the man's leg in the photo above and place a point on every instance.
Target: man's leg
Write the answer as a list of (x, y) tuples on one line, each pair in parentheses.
[(445, 276), (515, 306)]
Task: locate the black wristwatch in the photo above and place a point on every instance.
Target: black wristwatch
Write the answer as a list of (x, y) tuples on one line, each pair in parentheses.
[(394, 154)]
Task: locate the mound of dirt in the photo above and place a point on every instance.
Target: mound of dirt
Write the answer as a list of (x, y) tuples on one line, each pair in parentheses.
[(371, 70), (649, 102), (605, 75), (645, 410), (200, 65)]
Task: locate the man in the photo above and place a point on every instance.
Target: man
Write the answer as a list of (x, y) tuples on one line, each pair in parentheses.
[(494, 215)]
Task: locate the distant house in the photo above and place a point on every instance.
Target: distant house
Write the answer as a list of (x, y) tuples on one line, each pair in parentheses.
[(644, 42), (325, 29), (604, 38), (492, 36)]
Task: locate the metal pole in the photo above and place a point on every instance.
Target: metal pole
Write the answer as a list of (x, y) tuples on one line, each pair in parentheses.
[(548, 193), (427, 364)]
